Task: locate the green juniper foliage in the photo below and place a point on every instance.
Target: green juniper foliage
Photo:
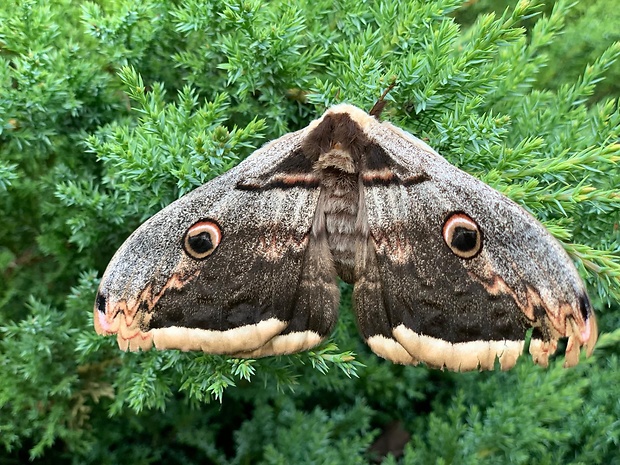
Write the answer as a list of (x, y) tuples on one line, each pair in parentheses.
[(110, 110)]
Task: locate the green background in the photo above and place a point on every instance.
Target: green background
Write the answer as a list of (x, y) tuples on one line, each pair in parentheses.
[(110, 110)]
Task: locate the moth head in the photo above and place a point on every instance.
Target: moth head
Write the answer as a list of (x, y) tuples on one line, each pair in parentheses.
[(201, 239), (462, 235)]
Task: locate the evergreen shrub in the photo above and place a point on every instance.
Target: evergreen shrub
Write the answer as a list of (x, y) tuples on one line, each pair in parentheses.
[(110, 110)]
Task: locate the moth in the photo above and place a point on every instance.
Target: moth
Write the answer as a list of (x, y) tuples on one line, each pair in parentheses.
[(445, 270)]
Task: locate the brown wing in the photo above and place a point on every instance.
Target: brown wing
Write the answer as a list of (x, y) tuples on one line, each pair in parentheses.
[(454, 274), (230, 268)]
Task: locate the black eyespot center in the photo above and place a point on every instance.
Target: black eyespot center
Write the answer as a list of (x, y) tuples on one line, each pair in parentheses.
[(201, 242), (464, 239), (201, 239)]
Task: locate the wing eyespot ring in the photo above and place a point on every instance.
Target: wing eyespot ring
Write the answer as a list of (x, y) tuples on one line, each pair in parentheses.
[(201, 239), (462, 235)]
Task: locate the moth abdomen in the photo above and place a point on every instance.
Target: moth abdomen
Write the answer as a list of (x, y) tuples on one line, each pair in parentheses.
[(338, 209)]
